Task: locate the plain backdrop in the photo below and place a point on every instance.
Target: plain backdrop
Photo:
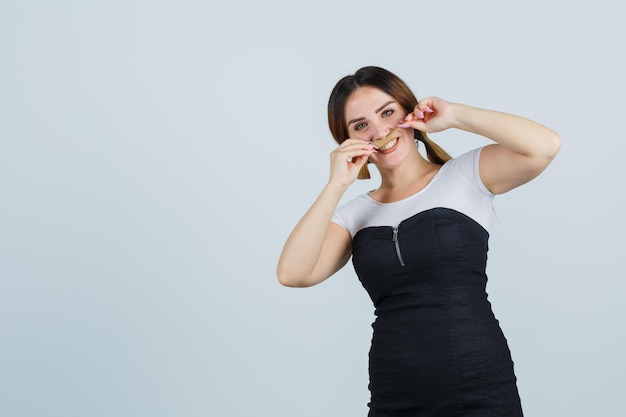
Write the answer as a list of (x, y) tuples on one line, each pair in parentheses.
[(154, 156)]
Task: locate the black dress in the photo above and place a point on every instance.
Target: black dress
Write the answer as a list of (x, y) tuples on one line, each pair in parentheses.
[(437, 349)]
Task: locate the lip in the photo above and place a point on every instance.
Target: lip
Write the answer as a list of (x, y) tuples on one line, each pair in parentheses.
[(393, 148), (379, 143)]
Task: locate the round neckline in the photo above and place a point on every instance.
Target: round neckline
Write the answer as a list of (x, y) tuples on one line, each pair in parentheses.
[(426, 187)]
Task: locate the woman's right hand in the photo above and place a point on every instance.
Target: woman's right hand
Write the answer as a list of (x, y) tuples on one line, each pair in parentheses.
[(346, 161), (317, 247)]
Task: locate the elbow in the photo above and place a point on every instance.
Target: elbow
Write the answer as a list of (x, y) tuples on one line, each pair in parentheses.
[(290, 284), (553, 144), (287, 279)]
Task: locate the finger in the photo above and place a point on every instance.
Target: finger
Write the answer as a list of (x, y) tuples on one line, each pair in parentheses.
[(416, 115), (416, 124), (355, 146), (354, 142), (353, 155), (427, 105), (348, 153), (358, 162)]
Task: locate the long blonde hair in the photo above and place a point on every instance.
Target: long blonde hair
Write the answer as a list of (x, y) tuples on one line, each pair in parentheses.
[(392, 85)]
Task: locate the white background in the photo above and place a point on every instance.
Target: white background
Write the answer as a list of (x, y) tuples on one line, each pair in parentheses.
[(154, 156)]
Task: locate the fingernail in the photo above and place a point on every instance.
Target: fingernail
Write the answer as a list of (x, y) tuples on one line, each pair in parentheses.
[(419, 114), (404, 125), (428, 109)]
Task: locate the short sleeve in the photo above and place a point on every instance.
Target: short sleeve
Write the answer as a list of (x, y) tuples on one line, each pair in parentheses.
[(467, 165)]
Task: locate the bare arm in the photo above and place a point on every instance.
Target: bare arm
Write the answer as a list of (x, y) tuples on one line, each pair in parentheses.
[(523, 148), (317, 248)]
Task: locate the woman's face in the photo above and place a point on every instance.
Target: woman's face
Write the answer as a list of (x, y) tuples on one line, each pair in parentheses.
[(372, 114)]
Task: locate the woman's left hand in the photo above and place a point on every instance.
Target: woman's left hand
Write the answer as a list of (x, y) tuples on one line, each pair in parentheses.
[(431, 114)]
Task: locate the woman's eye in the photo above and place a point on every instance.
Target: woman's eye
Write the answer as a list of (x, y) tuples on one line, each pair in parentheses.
[(387, 113), (360, 126)]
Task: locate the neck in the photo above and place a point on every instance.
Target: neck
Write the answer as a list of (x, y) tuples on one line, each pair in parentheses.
[(405, 180), (413, 169)]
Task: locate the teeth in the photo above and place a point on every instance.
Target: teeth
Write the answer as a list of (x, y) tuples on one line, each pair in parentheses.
[(388, 145)]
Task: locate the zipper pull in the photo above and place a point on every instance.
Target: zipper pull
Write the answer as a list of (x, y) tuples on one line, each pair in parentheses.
[(397, 245)]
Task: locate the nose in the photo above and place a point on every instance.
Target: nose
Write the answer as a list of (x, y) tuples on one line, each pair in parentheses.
[(380, 131)]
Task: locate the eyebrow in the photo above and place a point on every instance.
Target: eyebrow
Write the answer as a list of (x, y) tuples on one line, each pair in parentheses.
[(358, 119)]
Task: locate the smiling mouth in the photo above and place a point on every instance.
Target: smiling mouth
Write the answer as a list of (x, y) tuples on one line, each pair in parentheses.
[(389, 145), (388, 141)]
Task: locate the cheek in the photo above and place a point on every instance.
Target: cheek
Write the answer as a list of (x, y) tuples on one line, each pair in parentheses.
[(357, 135)]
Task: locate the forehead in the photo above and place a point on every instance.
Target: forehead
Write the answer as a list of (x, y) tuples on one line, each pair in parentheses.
[(364, 101)]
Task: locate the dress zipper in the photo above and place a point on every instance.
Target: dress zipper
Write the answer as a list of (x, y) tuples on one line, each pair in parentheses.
[(395, 241)]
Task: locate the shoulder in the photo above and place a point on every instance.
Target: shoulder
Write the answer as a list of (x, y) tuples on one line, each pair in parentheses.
[(467, 167), (348, 207), (467, 162), (351, 213)]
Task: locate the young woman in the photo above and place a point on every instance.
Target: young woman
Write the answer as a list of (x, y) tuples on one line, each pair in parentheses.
[(419, 242)]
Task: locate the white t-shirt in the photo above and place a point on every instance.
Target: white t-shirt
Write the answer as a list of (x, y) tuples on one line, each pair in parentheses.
[(457, 185)]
